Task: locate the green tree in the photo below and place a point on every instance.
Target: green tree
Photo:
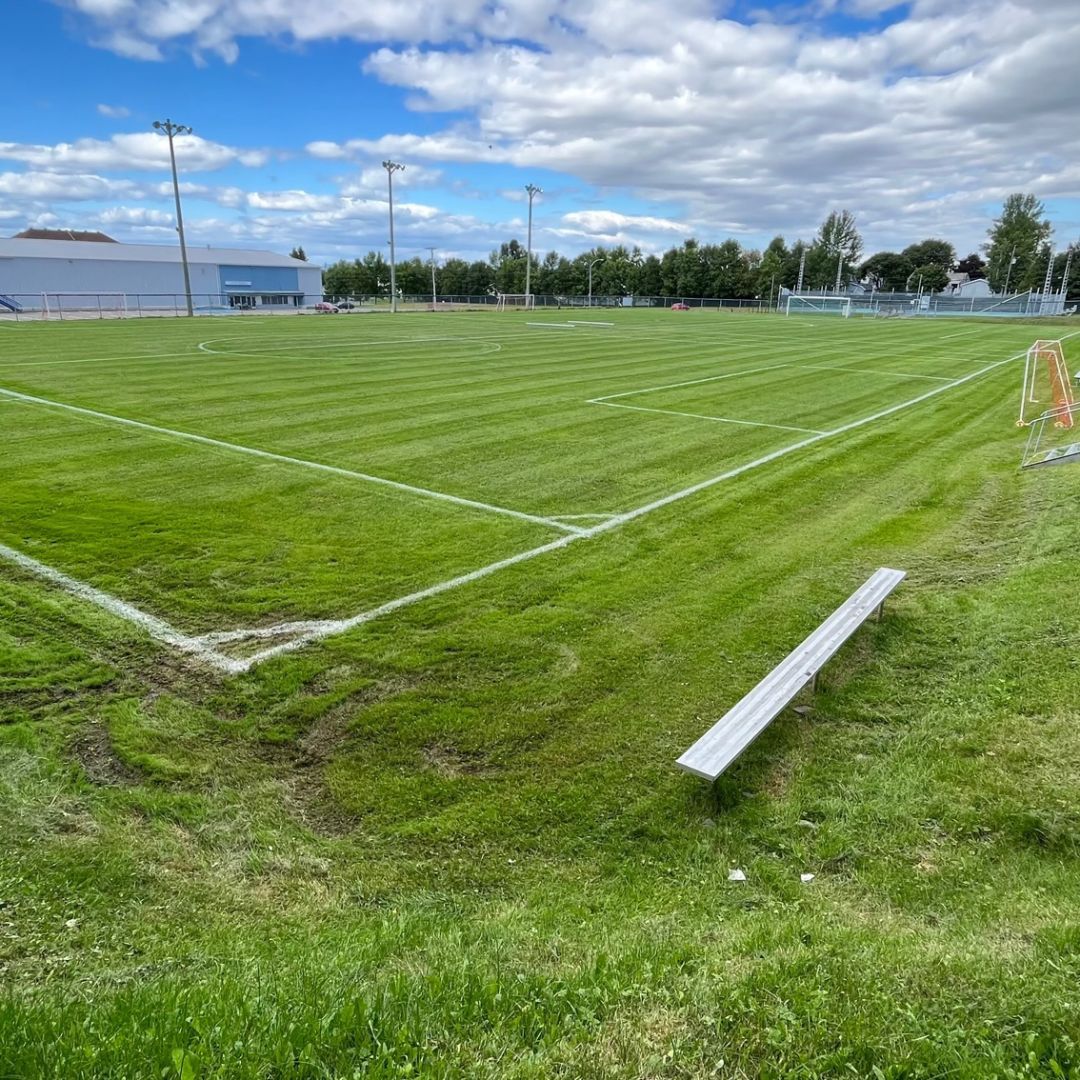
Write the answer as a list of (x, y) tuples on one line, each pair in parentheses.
[(770, 270), (931, 253), (887, 270), (837, 238), (298, 253), (1016, 242), (973, 265), (932, 277)]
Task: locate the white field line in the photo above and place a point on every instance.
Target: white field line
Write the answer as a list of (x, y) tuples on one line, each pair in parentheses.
[(700, 416), (269, 455), (588, 322), (962, 333), (316, 630), (155, 627), (552, 325), (872, 371), (688, 382)]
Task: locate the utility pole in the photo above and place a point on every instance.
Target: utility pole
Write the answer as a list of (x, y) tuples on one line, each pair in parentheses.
[(170, 130), (802, 270), (533, 191), (839, 271), (392, 167), (433, 297)]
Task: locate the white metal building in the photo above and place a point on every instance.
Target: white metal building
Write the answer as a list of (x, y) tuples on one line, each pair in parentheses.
[(37, 274)]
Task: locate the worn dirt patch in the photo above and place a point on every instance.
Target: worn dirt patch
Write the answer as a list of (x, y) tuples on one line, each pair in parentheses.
[(451, 762), (92, 748)]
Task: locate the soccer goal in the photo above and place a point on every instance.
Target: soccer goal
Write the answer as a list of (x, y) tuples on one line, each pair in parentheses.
[(819, 305), (1046, 386), (515, 302), (84, 305)]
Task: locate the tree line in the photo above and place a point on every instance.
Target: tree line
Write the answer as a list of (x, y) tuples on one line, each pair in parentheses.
[(1016, 254)]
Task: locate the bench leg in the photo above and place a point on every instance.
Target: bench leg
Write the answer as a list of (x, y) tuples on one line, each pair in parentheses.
[(880, 610)]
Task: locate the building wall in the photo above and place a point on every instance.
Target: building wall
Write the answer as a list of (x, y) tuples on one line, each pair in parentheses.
[(147, 285)]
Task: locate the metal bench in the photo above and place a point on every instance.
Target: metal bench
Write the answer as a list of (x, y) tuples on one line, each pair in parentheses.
[(742, 724)]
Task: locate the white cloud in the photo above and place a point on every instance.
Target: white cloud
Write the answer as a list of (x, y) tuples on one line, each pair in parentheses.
[(746, 128), (114, 112), (139, 150)]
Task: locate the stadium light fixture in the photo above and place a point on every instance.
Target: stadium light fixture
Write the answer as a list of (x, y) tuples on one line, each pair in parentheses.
[(171, 129), (598, 259), (533, 191), (392, 167)]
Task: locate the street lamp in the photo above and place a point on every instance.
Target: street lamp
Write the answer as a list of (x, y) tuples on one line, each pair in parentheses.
[(170, 130), (533, 191), (599, 258), (392, 167)]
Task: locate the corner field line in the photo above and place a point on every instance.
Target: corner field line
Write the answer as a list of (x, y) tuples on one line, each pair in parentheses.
[(316, 630), (688, 382), (155, 627), (269, 455), (700, 416), (872, 371)]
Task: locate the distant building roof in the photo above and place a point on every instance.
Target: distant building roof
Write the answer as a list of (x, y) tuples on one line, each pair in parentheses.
[(28, 248), (64, 234)]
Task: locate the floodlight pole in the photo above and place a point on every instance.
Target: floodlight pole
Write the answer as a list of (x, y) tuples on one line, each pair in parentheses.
[(802, 270), (392, 167), (170, 130), (839, 271), (1065, 276), (1008, 274), (599, 258), (533, 191), (432, 250)]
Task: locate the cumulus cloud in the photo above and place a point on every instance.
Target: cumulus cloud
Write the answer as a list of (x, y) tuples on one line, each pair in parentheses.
[(139, 150), (114, 112)]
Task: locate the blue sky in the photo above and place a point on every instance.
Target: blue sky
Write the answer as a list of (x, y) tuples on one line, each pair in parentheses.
[(643, 125)]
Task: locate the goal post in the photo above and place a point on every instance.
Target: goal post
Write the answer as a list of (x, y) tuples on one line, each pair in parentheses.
[(515, 302), (798, 304), (1046, 386)]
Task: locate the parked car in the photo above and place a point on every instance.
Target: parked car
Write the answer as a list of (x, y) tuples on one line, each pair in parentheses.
[(680, 307), (349, 305), (327, 308)]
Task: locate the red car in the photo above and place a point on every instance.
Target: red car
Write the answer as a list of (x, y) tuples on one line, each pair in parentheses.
[(680, 307), (330, 309)]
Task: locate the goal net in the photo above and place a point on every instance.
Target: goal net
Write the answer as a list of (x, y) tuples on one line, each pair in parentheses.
[(515, 302), (1046, 386), (819, 305), (103, 305)]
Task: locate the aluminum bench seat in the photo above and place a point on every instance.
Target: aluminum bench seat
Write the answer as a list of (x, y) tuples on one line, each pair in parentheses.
[(744, 722)]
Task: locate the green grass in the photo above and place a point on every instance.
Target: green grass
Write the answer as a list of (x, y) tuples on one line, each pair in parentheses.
[(452, 842)]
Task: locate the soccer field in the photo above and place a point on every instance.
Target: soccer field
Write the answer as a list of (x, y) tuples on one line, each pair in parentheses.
[(244, 487), (344, 663)]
